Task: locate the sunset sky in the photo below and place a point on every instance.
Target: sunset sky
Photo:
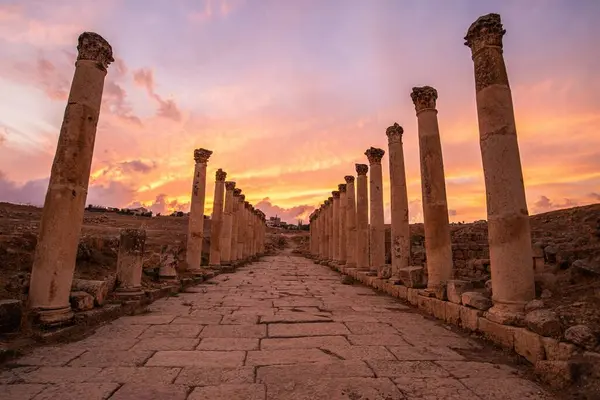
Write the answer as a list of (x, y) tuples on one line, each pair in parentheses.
[(290, 93)]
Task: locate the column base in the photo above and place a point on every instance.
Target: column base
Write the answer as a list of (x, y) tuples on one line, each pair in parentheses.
[(371, 272), (395, 280), (507, 314), (196, 271), (350, 265), (134, 293), (54, 316)]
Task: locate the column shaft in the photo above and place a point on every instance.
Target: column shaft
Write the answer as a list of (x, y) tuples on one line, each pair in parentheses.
[(508, 219), (342, 250), (196, 220), (362, 218), (227, 229), (216, 223), (377, 227), (129, 263), (336, 226), (438, 247), (235, 225), (350, 222), (400, 235), (62, 217)]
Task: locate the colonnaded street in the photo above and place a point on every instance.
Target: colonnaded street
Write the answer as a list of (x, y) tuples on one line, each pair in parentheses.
[(280, 328)]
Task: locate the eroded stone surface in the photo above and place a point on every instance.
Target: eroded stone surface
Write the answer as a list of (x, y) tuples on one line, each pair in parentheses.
[(319, 339)]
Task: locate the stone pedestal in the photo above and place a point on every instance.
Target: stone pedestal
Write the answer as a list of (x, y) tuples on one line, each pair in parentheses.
[(227, 228), (350, 222), (336, 226), (508, 220), (377, 227), (435, 207), (362, 218), (235, 216), (196, 221), (62, 217), (400, 235), (129, 264), (342, 216), (216, 221)]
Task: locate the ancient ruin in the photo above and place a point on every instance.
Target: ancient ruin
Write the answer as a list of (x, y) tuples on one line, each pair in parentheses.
[(228, 307)]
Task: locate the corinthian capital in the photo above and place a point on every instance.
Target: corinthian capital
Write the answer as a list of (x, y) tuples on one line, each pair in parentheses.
[(342, 187), (94, 47), (374, 155), (201, 156), (237, 192), (349, 179), (335, 194), (229, 185), (486, 31), (220, 175), (424, 98), (361, 169), (394, 133)]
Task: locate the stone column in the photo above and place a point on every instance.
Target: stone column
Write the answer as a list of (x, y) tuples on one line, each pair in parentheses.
[(325, 231), (235, 224), (377, 227), (227, 228), (342, 250), (247, 235), (196, 220), (330, 242), (254, 227), (336, 226), (312, 228), (400, 246), (350, 222), (251, 223), (216, 220), (438, 248), (362, 218), (129, 264), (508, 219), (241, 228), (62, 217)]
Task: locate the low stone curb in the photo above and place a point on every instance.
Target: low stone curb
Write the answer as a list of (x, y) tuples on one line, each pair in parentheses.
[(558, 363)]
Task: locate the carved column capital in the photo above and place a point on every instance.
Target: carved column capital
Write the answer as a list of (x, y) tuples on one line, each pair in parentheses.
[(361, 169), (374, 155), (394, 133), (201, 156), (330, 200), (487, 30), (424, 98), (243, 198), (220, 175), (342, 187), (335, 194), (237, 192), (229, 185), (349, 179), (94, 47)]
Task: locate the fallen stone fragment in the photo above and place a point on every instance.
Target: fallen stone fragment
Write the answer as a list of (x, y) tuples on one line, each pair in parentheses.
[(543, 322), (347, 280), (456, 288), (582, 335), (534, 305), (98, 289), (81, 301), (557, 374), (411, 277), (476, 300)]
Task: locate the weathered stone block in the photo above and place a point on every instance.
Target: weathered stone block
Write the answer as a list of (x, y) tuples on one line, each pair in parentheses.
[(529, 345), (469, 318), (425, 304), (438, 308), (412, 277), (452, 315), (476, 300), (456, 288), (81, 301), (413, 296), (557, 374), (11, 312), (402, 292), (582, 336), (502, 335), (544, 322), (557, 351)]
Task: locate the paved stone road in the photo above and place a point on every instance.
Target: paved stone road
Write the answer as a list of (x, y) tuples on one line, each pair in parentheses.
[(283, 328)]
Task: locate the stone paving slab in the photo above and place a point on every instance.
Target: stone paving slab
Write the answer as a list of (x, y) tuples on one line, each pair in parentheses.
[(282, 328)]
